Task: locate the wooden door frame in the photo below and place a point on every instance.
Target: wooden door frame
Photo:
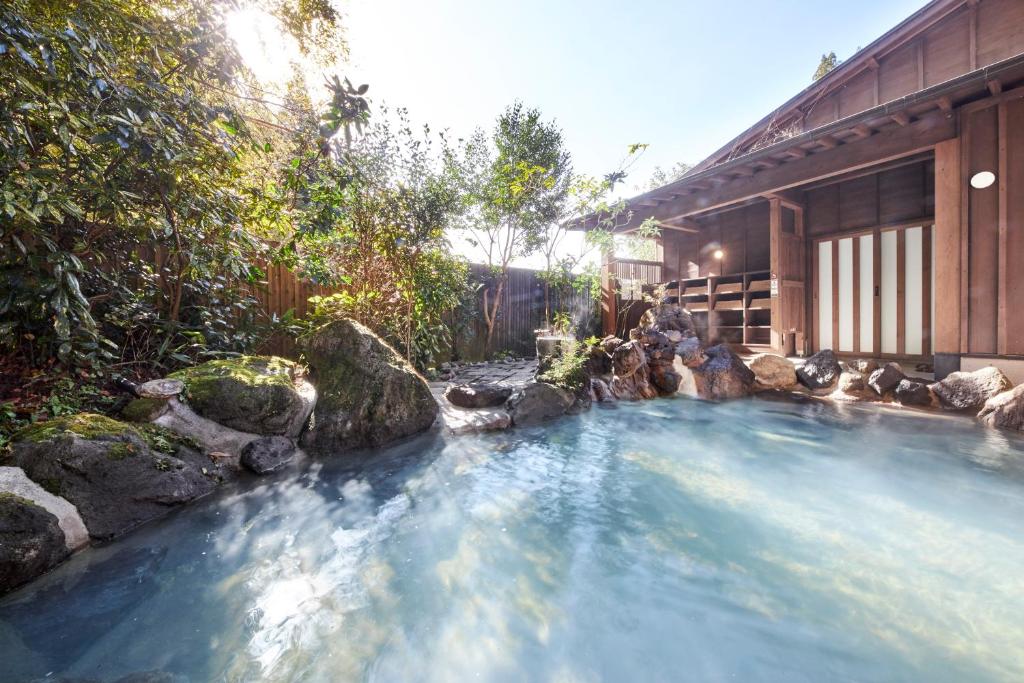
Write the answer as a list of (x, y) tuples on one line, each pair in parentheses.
[(926, 289)]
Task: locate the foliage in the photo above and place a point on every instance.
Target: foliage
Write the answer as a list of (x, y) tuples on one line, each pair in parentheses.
[(568, 370), (827, 63), (515, 183), (373, 222), (112, 144), (660, 177)]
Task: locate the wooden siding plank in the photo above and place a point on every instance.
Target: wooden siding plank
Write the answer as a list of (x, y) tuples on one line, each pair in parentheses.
[(835, 294), (901, 292), (983, 233), (856, 294), (926, 291), (1014, 245), (876, 263)]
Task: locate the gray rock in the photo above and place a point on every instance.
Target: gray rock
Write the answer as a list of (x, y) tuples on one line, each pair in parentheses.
[(601, 390), (610, 343), (1005, 410), (599, 362), (31, 541), (13, 480), (256, 394), (723, 375), (850, 383), (970, 390), (118, 475), (885, 379), (268, 454), (161, 388), (865, 367), (211, 436), (628, 359), (773, 372), (820, 370), (538, 401), (691, 352), (912, 392), (477, 395), (666, 317), (663, 377), (368, 394)]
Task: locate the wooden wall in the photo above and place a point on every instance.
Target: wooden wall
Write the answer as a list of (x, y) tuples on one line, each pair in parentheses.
[(741, 234), (969, 38), (898, 195)]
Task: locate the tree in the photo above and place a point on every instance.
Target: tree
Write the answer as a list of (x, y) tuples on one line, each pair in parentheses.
[(515, 184), (660, 177), (827, 63), (373, 220)]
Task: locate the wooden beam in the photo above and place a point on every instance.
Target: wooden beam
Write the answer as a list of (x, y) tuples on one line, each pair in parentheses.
[(744, 171), (876, 274), (767, 163), (774, 263), (901, 292), (902, 118), (946, 242), (995, 86), (649, 202), (680, 228), (828, 142), (881, 148), (1002, 339), (856, 294), (862, 131), (926, 290), (797, 152), (945, 104)]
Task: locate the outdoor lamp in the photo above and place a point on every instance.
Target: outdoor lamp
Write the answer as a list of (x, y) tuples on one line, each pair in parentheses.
[(718, 254), (982, 179)]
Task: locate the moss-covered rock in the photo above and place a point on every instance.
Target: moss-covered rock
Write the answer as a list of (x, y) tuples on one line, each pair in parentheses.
[(118, 475), (255, 394), (31, 541), (144, 409), (368, 394)]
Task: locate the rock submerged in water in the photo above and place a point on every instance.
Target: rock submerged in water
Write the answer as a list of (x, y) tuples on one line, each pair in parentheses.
[(1005, 410), (970, 390), (773, 372), (820, 371), (268, 454), (723, 375), (31, 541), (884, 380), (912, 392), (538, 401), (119, 476), (255, 394), (368, 394), (477, 395)]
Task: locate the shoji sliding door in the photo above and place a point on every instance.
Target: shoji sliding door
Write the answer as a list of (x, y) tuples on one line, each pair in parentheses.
[(873, 293)]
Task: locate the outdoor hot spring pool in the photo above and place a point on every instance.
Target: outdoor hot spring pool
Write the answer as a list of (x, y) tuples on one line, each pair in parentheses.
[(660, 541)]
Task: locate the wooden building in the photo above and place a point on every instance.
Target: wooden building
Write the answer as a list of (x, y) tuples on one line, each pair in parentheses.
[(879, 213)]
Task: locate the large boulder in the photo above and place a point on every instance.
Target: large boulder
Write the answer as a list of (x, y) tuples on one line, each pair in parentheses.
[(610, 343), (267, 454), (599, 361), (477, 394), (773, 372), (1005, 410), (538, 401), (912, 392), (723, 375), (13, 480), (118, 475), (970, 390), (690, 352), (630, 380), (368, 394), (255, 394), (884, 380), (31, 541), (820, 370), (667, 318)]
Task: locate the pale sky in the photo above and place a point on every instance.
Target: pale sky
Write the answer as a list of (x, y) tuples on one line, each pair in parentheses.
[(683, 76)]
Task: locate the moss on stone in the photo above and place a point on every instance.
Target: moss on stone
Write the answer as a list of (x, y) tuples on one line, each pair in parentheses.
[(163, 440), (143, 409), (119, 450), (201, 381), (7, 497), (85, 425)]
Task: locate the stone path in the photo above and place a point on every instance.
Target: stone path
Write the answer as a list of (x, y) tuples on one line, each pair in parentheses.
[(458, 420)]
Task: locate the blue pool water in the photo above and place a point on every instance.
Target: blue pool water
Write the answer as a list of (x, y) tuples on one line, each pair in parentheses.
[(670, 540)]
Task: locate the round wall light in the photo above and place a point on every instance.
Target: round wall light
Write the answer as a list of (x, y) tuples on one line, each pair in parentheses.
[(983, 179), (718, 254)]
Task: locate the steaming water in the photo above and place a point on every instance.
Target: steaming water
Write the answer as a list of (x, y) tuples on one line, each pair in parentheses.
[(662, 541)]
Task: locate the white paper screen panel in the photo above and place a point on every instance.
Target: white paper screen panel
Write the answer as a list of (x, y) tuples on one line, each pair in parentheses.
[(824, 295), (913, 291), (866, 243), (889, 308), (845, 342)]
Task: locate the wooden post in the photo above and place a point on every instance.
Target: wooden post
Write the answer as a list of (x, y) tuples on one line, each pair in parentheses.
[(775, 260), (946, 242), (608, 303)]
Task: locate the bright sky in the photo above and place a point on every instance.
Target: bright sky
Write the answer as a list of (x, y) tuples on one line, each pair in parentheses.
[(684, 76)]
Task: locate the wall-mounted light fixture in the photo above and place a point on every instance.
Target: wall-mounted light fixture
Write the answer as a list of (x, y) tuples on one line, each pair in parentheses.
[(718, 254), (982, 179)]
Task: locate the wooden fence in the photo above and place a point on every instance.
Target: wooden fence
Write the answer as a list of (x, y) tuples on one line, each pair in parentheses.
[(522, 312)]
